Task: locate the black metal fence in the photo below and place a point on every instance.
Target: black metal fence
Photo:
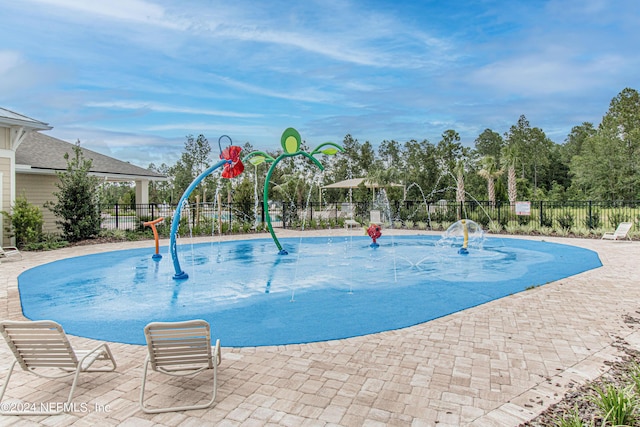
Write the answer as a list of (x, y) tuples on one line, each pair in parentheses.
[(537, 215)]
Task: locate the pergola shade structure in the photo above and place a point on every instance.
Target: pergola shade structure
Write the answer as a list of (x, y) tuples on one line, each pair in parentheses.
[(356, 182)]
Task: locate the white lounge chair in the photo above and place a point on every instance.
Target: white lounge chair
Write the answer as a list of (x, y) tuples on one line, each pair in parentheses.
[(375, 217), (180, 349), (9, 251), (347, 211), (621, 233), (42, 348)]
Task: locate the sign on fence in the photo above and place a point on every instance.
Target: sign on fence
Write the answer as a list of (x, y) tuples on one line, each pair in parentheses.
[(523, 208)]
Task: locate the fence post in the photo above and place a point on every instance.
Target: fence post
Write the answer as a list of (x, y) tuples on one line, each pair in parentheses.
[(498, 204), (117, 216), (541, 213), (590, 217)]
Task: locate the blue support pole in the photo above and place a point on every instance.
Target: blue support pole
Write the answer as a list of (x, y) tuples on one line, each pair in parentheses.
[(175, 223)]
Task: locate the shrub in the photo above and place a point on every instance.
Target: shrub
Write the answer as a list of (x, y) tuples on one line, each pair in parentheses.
[(581, 231), (47, 242), (524, 219), (593, 220), (25, 223), (483, 220), (616, 218), (546, 231), (617, 406), (546, 220), (114, 234), (565, 221), (495, 227), (571, 419)]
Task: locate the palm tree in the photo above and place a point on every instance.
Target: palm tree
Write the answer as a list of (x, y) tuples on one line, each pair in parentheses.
[(509, 156), (459, 170), (490, 172)]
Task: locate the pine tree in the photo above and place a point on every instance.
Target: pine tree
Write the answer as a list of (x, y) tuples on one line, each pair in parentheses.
[(77, 205)]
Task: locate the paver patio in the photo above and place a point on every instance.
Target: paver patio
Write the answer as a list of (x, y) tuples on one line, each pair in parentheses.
[(497, 364)]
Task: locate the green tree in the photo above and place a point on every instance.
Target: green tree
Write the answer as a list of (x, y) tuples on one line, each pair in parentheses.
[(421, 169), (609, 161), (557, 170), (539, 149), (194, 160), (160, 191), (575, 140), (489, 143), (243, 201), (516, 141), (531, 148), (449, 152), (77, 205), (390, 153)]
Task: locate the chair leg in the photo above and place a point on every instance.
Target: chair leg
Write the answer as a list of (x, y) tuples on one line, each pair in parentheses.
[(176, 408), (73, 385), (6, 382), (144, 383), (19, 405)]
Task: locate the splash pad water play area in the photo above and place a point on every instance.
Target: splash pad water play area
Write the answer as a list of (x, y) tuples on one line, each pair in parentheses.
[(317, 289), (326, 288)]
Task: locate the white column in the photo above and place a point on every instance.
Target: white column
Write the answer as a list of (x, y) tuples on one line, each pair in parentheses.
[(142, 192)]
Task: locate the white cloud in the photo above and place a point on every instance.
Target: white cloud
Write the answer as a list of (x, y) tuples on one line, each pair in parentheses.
[(9, 60), (544, 74), (139, 11), (152, 106), (20, 77)]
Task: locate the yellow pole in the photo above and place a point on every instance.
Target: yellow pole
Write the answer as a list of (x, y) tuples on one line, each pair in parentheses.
[(465, 234)]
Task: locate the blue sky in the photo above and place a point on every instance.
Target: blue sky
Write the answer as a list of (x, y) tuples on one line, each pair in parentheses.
[(132, 78)]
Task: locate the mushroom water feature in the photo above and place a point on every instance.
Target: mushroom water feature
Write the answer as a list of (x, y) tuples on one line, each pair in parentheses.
[(462, 233)]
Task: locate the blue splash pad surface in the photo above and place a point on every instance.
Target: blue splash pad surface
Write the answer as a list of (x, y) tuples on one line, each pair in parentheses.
[(326, 288)]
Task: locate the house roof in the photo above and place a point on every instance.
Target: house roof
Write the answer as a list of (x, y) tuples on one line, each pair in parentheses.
[(11, 118), (39, 153)]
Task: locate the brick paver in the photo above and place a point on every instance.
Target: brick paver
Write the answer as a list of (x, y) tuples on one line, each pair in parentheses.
[(497, 364)]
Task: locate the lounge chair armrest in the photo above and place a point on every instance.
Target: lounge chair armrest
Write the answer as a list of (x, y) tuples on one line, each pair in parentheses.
[(101, 352), (218, 353)]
